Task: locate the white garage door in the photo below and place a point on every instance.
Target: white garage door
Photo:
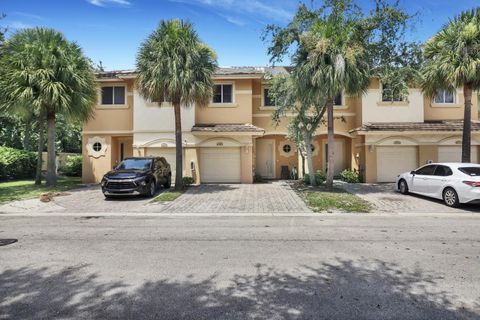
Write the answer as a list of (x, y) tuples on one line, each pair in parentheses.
[(220, 165), (392, 161), (454, 154), (167, 153)]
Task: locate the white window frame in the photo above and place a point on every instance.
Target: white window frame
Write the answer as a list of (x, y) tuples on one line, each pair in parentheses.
[(233, 93), (113, 105), (446, 103)]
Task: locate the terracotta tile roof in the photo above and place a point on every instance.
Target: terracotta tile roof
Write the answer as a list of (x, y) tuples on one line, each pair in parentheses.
[(227, 127), (441, 125), (114, 73), (226, 71)]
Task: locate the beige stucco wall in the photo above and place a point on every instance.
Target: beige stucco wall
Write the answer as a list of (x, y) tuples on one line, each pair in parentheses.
[(246, 164), (240, 111), (370, 156), (281, 159), (426, 153), (113, 118), (455, 111), (93, 169)]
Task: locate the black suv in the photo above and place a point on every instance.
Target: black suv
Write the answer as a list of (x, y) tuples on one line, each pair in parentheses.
[(138, 175)]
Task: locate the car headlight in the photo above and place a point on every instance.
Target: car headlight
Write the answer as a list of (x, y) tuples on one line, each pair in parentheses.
[(141, 181), (104, 182)]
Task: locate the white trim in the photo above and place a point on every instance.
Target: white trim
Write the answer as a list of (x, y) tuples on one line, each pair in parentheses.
[(243, 92), (203, 133), (224, 104), (119, 132)]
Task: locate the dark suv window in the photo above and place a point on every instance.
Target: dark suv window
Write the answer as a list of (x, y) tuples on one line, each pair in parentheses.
[(426, 171), (443, 171), (135, 164), (471, 171)]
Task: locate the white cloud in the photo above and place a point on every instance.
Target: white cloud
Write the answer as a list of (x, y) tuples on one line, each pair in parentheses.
[(268, 9), (235, 21), (16, 25), (104, 3)]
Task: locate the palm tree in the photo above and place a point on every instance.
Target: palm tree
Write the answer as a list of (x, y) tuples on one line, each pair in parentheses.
[(173, 63), (452, 59), (335, 63), (43, 71)]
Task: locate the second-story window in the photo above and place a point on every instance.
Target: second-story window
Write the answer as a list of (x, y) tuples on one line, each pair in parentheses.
[(267, 100), (445, 96), (113, 95), (392, 94), (223, 93), (338, 100)]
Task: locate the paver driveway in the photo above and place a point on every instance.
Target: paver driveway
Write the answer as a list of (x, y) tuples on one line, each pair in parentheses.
[(385, 199), (274, 197)]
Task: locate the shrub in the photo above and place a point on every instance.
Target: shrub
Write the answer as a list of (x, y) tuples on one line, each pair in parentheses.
[(188, 181), (350, 176), (257, 178), (72, 166), (17, 164), (319, 178)]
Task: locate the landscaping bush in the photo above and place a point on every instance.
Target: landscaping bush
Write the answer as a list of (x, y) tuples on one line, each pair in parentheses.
[(350, 176), (188, 181), (17, 164), (72, 166), (319, 178)]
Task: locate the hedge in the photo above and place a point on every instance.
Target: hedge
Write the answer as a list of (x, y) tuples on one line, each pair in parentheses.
[(17, 164), (72, 166)]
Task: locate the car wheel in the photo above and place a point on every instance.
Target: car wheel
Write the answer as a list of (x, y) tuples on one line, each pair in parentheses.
[(152, 188), (450, 197), (168, 184), (403, 187)]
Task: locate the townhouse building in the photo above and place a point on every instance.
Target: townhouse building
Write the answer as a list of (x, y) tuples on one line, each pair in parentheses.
[(233, 137)]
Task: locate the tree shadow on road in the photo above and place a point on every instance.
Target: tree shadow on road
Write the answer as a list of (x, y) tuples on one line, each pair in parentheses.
[(340, 290)]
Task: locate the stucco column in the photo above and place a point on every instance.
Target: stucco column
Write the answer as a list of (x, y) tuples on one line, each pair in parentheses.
[(370, 164), (246, 160), (191, 156)]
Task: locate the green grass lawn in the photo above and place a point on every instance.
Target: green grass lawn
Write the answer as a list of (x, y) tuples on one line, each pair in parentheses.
[(167, 196), (320, 199), (26, 189)]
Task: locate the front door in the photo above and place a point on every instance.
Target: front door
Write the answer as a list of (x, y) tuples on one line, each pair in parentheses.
[(265, 165)]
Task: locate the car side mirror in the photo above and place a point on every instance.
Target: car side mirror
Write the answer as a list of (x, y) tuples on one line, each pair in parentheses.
[(412, 172)]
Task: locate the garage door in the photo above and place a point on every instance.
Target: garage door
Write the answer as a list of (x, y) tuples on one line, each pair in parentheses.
[(392, 161), (220, 165), (167, 153), (454, 154)]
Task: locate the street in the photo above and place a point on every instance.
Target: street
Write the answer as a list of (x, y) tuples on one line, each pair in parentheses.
[(337, 266)]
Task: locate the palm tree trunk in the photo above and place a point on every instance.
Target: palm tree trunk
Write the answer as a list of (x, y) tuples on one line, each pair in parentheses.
[(308, 147), (330, 143), (467, 123), (51, 158), (41, 143), (27, 137), (179, 147)]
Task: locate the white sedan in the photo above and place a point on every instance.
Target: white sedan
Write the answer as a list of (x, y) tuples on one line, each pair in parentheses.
[(454, 183)]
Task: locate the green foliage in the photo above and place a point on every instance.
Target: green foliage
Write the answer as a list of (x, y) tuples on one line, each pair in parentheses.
[(174, 63), (350, 176), (72, 166), (188, 181), (319, 178), (167, 196), (452, 56), (321, 200), (16, 164), (257, 177)]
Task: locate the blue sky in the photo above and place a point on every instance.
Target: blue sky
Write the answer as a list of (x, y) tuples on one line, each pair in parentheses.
[(112, 30)]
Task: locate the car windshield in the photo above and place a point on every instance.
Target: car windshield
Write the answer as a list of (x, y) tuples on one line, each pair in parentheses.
[(471, 171), (134, 164)]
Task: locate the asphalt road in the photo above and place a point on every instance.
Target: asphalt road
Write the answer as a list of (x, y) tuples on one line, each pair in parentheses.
[(227, 267)]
